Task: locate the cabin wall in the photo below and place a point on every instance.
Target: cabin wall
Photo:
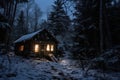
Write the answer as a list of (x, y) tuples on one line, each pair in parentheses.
[(42, 46), (17, 45), (42, 39), (26, 49), (29, 47)]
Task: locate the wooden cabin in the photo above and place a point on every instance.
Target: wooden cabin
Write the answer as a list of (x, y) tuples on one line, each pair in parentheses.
[(40, 43)]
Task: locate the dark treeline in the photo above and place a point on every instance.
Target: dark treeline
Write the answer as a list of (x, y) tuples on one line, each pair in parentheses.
[(10, 7), (97, 30), (98, 22)]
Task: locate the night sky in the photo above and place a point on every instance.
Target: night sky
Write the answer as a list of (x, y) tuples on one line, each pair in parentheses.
[(45, 6)]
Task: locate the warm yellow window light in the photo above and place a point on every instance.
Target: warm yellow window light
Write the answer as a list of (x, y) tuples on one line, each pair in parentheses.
[(52, 47), (37, 47), (21, 47), (48, 47)]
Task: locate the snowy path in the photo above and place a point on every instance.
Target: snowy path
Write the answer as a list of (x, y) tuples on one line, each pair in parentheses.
[(33, 69)]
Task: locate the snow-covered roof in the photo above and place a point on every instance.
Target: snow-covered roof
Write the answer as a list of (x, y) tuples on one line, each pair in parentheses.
[(27, 36)]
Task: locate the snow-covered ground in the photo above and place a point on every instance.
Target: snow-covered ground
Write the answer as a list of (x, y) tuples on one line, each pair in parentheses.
[(41, 69)]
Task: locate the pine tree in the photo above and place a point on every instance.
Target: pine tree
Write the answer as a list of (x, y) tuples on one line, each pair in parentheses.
[(21, 29), (58, 19), (91, 21), (86, 24), (114, 18), (10, 7)]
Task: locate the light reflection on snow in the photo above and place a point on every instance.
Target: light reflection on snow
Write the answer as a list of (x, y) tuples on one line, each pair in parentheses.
[(64, 62)]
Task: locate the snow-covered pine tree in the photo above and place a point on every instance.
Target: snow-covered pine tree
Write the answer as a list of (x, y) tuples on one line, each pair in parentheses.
[(87, 14), (58, 19), (20, 28), (10, 7), (86, 28)]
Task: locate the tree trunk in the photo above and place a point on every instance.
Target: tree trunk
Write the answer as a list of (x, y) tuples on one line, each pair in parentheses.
[(10, 9), (14, 12), (101, 26), (108, 33), (27, 11)]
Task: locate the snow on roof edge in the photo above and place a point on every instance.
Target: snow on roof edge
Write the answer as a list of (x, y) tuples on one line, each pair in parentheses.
[(27, 36)]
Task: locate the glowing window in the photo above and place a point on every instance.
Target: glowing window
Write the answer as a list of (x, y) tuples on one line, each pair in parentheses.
[(48, 47), (21, 48), (37, 47), (52, 47)]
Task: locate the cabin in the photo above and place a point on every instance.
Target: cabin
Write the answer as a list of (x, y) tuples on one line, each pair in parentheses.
[(37, 44)]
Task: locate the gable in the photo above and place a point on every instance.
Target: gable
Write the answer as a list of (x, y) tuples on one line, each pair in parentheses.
[(45, 36), (41, 35)]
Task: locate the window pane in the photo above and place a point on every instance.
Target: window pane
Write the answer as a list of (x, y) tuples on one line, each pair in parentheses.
[(37, 47), (52, 47), (48, 47), (21, 47)]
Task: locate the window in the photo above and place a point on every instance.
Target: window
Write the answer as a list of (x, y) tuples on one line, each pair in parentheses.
[(37, 47), (21, 48), (50, 47)]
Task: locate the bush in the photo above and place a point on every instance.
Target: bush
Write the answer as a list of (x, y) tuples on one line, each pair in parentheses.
[(109, 60), (84, 53)]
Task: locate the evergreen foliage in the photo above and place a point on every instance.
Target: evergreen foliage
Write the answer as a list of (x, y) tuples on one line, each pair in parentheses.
[(58, 19), (21, 29), (86, 29)]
